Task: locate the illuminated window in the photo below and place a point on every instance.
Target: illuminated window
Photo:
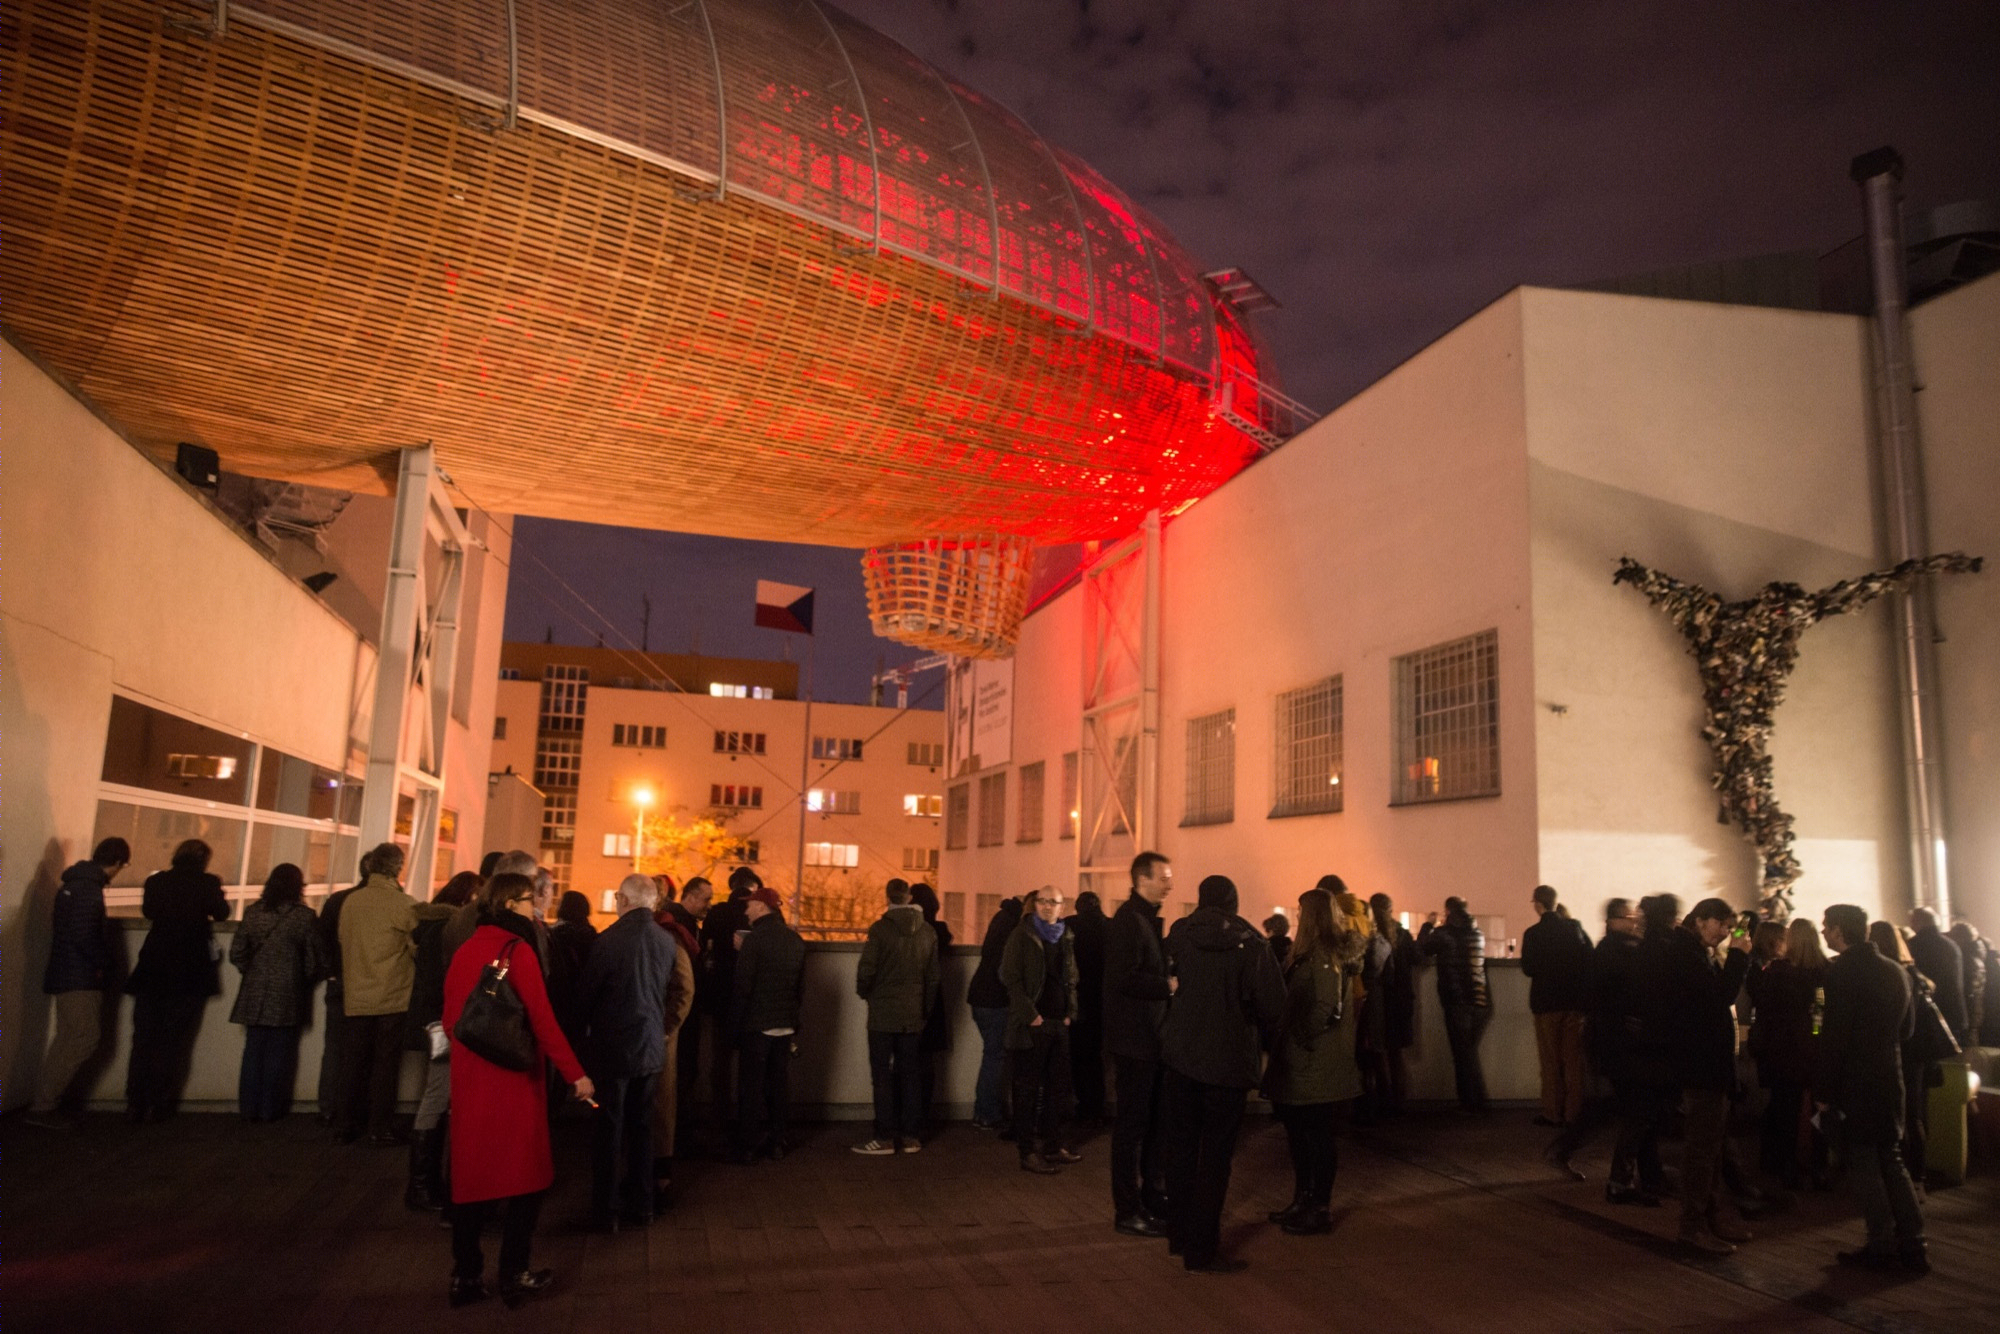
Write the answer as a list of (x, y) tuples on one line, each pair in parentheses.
[(929, 753), (844, 855), (618, 845), (563, 692), (1070, 812), (1306, 750), (1211, 769), (836, 748), (738, 796), (957, 814), (1032, 784), (923, 803), (723, 690), (1447, 721), (558, 761), (739, 743), (827, 801), (993, 809), (635, 734)]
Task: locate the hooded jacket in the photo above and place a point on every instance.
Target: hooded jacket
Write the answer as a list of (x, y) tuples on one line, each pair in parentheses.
[(1230, 1002), (898, 972), (1024, 970), (80, 948)]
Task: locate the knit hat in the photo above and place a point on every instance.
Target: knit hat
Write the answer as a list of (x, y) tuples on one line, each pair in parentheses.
[(1218, 891), (767, 896), (742, 880)]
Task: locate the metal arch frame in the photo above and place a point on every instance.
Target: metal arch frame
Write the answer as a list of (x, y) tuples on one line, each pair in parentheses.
[(416, 655), (985, 171), (1091, 321), (1119, 631), (867, 117), (721, 105)]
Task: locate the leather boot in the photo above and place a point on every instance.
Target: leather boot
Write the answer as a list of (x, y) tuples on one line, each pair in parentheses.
[(424, 1192), (1292, 1210)]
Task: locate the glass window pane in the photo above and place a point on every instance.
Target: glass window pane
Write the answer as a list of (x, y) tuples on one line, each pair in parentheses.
[(154, 833), (292, 786), (311, 850), (159, 751)]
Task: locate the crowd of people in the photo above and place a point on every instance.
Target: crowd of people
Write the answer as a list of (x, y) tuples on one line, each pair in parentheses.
[(1316, 1011)]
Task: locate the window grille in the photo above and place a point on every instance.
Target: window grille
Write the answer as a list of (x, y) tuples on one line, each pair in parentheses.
[(845, 855), (563, 692), (1306, 750), (735, 795), (1070, 814), (920, 859), (1447, 717), (739, 743), (957, 814), (558, 762), (928, 753), (836, 748), (1032, 785), (993, 809), (638, 734), (559, 818), (1211, 769), (928, 804), (828, 801)]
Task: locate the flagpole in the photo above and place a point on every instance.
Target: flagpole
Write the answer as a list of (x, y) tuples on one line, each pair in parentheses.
[(805, 758)]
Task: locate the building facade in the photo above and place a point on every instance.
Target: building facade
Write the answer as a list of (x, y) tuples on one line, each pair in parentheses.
[(689, 766)]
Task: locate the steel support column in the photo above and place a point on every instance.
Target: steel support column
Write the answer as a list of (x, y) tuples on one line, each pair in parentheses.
[(1118, 790)]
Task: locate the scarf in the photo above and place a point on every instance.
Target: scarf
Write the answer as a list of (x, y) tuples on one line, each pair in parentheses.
[(1049, 932)]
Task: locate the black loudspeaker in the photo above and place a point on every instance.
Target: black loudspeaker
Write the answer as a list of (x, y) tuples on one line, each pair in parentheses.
[(198, 467)]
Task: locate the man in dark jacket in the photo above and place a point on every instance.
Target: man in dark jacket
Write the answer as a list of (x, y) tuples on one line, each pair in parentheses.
[(1459, 948), (81, 964), (331, 1052), (770, 986), (1937, 957), (1086, 1036), (1610, 1034), (897, 976), (1134, 992), (1688, 1029), (1228, 1003), (1555, 958), (1867, 1019), (1039, 972), (717, 985), (988, 1000), (621, 1001)]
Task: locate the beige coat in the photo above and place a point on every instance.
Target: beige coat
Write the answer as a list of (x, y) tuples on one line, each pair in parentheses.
[(378, 961), (666, 1097)]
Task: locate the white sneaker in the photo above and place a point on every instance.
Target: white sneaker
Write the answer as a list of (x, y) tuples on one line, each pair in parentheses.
[(876, 1148), (910, 1145)]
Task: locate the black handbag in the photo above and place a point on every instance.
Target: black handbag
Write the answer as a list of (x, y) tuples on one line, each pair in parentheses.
[(494, 1023), (1934, 1041)]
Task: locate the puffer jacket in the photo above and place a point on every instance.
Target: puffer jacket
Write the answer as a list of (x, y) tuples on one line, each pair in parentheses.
[(80, 957), (1460, 951), (898, 972), (279, 952), (1230, 1002)]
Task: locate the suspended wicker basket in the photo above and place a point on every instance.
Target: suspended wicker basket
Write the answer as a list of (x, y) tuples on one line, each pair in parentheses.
[(958, 595)]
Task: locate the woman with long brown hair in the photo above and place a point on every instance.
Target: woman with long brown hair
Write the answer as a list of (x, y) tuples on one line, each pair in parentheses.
[(1312, 1068)]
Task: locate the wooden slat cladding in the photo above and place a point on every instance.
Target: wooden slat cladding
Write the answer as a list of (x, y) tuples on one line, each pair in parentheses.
[(306, 263)]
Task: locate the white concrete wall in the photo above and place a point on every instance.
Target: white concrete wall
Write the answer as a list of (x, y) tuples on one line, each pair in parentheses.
[(1728, 446), (1957, 349), (1398, 522), (117, 579)]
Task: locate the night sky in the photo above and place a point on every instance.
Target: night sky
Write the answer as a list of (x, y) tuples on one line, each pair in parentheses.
[(1384, 169)]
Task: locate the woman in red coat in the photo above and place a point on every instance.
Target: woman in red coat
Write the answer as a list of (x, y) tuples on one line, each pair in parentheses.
[(499, 1117)]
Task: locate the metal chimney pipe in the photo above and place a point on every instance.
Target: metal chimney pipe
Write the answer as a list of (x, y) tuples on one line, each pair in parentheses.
[(1906, 528)]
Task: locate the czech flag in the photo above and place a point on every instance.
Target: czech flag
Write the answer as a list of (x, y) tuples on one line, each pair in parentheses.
[(784, 607)]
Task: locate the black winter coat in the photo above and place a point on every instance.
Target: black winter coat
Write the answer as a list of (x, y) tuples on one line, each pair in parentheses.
[(178, 957), (717, 965), (1781, 1034), (621, 996), (1687, 1026), (985, 992), (1397, 985), (1460, 951), (1231, 1000), (770, 978), (569, 946), (1612, 1030), (1089, 929), (1555, 958), (1937, 957), (1867, 1019), (433, 961), (80, 952), (1134, 991), (329, 940)]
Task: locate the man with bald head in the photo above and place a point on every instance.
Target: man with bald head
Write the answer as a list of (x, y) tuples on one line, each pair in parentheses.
[(622, 996)]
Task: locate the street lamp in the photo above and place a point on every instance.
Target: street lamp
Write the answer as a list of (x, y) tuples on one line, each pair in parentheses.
[(642, 797)]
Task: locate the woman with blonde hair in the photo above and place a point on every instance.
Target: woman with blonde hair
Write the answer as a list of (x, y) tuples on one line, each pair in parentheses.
[(1784, 990), (1312, 1067)]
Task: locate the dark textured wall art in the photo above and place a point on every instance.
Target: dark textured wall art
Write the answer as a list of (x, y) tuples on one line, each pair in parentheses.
[(1745, 652)]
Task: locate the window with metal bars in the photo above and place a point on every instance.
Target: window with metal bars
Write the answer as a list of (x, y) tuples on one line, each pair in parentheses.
[(1211, 769), (1447, 721), (1033, 784), (993, 809), (957, 814), (563, 692), (1067, 824), (1306, 750), (558, 761)]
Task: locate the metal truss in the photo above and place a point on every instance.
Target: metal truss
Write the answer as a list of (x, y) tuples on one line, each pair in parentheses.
[(1118, 763)]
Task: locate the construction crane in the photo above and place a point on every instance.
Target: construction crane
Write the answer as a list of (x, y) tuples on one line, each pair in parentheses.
[(901, 676)]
